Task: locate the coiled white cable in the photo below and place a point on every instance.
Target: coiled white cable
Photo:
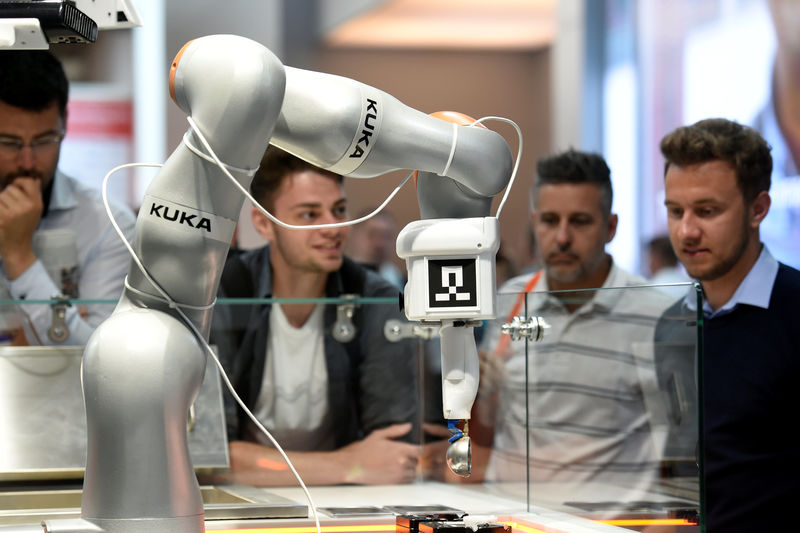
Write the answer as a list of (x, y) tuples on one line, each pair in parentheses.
[(258, 206), (211, 156)]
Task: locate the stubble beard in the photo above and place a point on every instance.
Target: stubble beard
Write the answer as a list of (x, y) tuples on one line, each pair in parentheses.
[(570, 276), (725, 265), (314, 265), (579, 272)]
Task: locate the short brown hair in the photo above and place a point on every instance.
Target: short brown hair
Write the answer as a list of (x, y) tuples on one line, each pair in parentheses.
[(277, 165), (575, 167), (742, 147)]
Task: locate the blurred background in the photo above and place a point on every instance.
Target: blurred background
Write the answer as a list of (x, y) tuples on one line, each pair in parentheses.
[(611, 76)]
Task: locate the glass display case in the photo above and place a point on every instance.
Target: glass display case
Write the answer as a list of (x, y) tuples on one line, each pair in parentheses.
[(586, 420), (599, 416)]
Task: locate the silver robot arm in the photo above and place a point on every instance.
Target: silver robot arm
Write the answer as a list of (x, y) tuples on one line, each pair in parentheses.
[(143, 366), (360, 131)]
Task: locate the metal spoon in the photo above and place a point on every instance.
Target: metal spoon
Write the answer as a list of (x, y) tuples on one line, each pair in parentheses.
[(459, 457)]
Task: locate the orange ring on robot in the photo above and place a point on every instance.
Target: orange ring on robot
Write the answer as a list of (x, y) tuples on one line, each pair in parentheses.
[(173, 68)]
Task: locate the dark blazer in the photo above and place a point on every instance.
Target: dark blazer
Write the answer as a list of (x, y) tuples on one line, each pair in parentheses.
[(749, 375)]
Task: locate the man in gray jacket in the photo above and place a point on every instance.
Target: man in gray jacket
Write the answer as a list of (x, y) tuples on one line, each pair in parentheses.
[(337, 406)]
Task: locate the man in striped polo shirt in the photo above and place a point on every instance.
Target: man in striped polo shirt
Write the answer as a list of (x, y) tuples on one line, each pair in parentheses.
[(587, 426)]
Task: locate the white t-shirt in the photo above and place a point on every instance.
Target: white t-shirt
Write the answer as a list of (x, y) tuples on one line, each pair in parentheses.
[(293, 402)]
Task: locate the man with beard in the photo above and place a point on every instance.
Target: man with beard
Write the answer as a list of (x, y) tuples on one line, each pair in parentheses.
[(587, 424), (36, 198), (717, 178), (339, 406)]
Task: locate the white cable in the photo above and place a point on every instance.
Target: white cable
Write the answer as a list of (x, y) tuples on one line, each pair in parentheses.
[(198, 153), (452, 150), (516, 164), (172, 304), (212, 156), (177, 307), (269, 215)]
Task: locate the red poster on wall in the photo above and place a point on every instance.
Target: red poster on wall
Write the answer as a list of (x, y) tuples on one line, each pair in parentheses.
[(99, 138)]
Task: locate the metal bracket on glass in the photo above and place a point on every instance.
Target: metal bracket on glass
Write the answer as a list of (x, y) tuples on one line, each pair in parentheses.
[(395, 330), (525, 328), (343, 329), (58, 331)]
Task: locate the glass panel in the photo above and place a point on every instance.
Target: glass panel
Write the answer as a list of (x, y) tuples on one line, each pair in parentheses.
[(598, 418), (389, 372), (42, 414)]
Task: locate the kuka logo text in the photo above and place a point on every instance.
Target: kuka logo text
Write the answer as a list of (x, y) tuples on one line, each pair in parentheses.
[(181, 217), (366, 133)]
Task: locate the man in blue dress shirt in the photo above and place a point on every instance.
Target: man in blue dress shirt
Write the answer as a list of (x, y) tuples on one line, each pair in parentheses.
[(36, 199)]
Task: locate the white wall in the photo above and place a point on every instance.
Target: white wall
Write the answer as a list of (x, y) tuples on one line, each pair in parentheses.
[(567, 68)]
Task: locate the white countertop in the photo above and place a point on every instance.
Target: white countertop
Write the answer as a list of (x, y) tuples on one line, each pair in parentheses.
[(496, 503)]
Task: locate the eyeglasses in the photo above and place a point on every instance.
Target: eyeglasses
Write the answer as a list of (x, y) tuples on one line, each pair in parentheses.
[(10, 147)]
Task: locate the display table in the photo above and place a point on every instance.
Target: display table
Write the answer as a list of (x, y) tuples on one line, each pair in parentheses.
[(341, 509), (333, 504)]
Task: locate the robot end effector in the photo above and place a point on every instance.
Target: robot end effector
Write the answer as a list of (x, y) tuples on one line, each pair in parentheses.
[(450, 259)]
